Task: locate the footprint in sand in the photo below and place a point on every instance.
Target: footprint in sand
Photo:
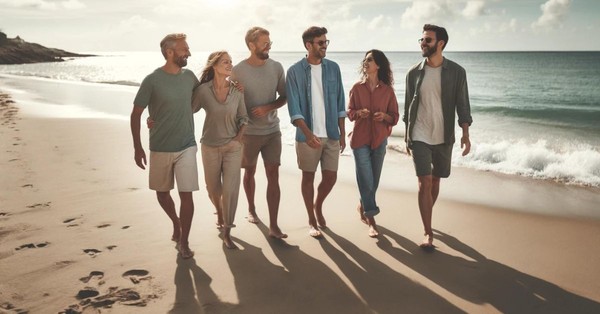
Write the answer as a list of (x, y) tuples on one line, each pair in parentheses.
[(111, 247), (3, 214), (87, 292), (92, 252), (137, 275), (103, 226), (93, 275), (125, 227), (12, 308), (27, 185), (32, 246), (47, 204), (70, 222)]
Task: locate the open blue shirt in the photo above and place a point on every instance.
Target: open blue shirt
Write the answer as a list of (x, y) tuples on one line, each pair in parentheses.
[(299, 95)]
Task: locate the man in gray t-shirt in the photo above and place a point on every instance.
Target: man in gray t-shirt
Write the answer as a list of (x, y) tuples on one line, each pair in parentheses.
[(167, 93), (262, 79)]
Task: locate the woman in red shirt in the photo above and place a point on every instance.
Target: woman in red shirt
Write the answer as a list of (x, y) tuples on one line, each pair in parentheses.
[(374, 109)]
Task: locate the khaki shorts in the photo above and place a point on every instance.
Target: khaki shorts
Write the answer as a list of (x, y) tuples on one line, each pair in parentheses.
[(432, 159), (182, 166), (328, 155), (269, 146)]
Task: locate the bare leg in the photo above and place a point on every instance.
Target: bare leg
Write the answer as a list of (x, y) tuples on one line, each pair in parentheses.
[(167, 204), (227, 239), (426, 207), (308, 194), (373, 231), (327, 183), (273, 198), (361, 212), (250, 188), (186, 213)]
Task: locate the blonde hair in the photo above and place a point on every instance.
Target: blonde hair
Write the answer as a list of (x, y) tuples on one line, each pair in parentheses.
[(208, 73), (253, 34), (169, 42)]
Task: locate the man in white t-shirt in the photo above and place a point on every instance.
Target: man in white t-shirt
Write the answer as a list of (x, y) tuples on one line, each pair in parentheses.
[(317, 108)]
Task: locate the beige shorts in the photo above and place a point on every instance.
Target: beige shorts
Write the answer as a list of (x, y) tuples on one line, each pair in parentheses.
[(269, 146), (165, 167), (328, 155)]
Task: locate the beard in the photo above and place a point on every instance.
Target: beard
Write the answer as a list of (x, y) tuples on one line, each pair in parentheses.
[(263, 55), (429, 51), (181, 61)]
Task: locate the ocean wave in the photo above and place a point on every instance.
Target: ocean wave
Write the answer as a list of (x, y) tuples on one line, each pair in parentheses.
[(576, 164), (572, 116)]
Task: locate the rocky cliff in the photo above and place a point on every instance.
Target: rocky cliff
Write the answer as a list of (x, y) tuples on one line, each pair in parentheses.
[(17, 51)]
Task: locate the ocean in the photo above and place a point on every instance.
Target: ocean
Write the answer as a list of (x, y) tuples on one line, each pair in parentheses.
[(536, 114)]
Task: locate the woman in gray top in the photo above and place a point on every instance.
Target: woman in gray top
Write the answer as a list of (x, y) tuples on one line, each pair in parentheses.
[(221, 142)]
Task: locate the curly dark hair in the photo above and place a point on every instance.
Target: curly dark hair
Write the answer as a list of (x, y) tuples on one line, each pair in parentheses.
[(384, 74)]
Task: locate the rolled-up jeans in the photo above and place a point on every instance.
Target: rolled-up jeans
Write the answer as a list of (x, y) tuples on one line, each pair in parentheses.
[(369, 163), (222, 167)]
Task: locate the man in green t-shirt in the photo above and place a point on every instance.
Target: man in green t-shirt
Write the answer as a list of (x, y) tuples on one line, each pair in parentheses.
[(167, 93)]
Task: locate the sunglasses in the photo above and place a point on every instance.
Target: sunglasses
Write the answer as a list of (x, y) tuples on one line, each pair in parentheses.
[(322, 42), (427, 40)]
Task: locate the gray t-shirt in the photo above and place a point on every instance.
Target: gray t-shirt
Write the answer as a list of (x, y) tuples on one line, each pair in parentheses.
[(429, 126), (262, 84), (168, 98), (223, 120)]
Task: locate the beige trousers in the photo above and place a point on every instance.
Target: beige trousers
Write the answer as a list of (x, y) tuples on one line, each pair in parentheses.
[(222, 168)]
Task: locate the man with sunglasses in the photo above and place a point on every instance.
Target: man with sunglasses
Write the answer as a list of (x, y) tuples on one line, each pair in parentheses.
[(436, 91), (317, 108), (263, 79)]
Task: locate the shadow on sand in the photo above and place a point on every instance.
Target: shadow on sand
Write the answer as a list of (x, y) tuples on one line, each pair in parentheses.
[(483, 281)]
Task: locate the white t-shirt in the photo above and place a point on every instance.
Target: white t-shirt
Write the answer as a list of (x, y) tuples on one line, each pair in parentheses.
[(319, 127), (429, 126)]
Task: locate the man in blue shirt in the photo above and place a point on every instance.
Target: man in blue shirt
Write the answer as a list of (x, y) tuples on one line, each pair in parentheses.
[(317, 109)]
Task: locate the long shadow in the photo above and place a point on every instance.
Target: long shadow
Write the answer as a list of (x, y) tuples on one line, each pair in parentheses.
[(484, 281), (384, 289), (303, 285), (193, 293)]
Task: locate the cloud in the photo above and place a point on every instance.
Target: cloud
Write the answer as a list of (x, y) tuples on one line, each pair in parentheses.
[(474, 9), (553, 13), (43, 4), (510, 26), (421, 12), (135, 23)]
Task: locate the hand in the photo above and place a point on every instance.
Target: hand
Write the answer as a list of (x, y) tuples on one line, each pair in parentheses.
[(379, 116), (150, 123), (260, 111), (466, 143), (313, 141), (140, 158), (363, 113), (342, 144)]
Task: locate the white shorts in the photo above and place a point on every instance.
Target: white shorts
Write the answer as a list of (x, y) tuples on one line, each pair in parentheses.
[(181, 166)]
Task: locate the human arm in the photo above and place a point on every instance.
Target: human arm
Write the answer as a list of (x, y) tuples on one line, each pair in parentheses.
[(242, 118), (342, 126), (135, 124), (464, 140), (263, 110)]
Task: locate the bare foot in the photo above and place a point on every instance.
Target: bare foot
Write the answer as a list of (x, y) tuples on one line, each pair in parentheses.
[(362, 214), (229, 243), (275, 232), (252, 218), (176, 232), (315, 232), (184, 251), (427, 242), (373, 232)]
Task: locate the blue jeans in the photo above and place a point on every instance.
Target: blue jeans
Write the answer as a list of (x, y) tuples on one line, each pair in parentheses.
[(369, 163)]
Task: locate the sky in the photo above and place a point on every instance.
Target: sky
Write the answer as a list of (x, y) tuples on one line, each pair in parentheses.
[(353, 25)]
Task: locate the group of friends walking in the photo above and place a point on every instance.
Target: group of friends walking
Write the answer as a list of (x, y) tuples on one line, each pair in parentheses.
[(241, 104)]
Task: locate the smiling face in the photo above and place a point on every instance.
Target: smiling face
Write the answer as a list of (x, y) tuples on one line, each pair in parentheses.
[(370, 67), (261, 47), (318, 47), (429, 44), (180, 53), (224, 65)]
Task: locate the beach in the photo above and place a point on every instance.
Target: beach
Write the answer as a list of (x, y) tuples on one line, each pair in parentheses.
[(80, 231)]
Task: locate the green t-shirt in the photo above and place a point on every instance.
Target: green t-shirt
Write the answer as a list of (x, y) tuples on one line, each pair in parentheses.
[(169, 101)]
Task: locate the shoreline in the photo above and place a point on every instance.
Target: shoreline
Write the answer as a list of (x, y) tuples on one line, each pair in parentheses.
[(76, 215)]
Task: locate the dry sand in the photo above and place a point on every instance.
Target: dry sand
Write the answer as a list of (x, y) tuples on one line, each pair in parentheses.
[(81, 232)]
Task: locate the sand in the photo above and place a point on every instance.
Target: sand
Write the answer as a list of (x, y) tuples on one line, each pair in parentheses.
[(81, 232)]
